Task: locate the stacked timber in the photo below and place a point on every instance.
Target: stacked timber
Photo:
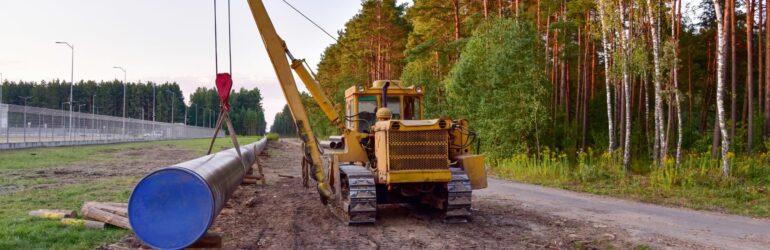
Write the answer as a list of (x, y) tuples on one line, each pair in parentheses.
[(112, 213), (95, 215)]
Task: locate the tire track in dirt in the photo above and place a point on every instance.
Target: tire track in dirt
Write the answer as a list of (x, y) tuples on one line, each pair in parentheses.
[(284, 215)]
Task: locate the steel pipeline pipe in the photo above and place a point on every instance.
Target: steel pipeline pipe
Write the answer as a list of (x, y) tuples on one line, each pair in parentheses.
[(171, 208)]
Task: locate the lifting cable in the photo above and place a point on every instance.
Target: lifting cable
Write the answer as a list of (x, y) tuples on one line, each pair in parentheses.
[(322, 30), (229, 40), (311, 21), (224, 84)]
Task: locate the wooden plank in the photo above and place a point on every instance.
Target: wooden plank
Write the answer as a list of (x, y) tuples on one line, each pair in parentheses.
[(53, 213), (84, 223), (94, 213), (114, 208)]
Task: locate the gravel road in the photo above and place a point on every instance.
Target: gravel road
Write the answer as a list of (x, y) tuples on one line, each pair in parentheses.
[(643, 222)]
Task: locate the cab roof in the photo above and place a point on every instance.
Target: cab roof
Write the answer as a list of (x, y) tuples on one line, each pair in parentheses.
[(396, 88)]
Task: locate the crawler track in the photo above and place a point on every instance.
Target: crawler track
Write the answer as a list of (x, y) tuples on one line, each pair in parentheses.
[(458, 207), (358, 203)]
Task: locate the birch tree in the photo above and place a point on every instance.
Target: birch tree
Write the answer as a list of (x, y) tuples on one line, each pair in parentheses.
[(675, 22), (721, 46), (655, 36), (625, 36), (607, 50)]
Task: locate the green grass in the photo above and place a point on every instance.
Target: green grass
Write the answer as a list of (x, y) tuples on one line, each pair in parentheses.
[(20, 231), (47, 157), (696, 184), (200, 146)]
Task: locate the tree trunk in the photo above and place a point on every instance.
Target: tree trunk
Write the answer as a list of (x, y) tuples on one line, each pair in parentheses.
[(586, 88), (626, 36), (689, 89), (760, 76), (567, 89), (655, 36), (767, 70), (645, 85), (715, 142), (578, 95), (750, 72), (593, 70), (606, 50), (675, 77), (733, 79), (500, 8), (457, 18), (721, 46), (486, 9), (710, 65)]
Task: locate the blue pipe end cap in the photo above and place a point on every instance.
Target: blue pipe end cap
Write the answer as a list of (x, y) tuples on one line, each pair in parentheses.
[(171, 208)]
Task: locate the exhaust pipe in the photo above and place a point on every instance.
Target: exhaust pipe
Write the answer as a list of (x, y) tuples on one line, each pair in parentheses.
[(384, 101), (173, 207)]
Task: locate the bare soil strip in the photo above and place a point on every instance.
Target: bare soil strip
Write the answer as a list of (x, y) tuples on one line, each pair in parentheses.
[(283, 215), (507, 215)]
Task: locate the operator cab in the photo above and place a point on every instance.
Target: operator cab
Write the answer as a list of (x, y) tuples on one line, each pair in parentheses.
[(362, 102)]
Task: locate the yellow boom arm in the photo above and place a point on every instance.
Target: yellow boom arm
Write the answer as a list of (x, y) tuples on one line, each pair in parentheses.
[(318, 95), (277, 51)]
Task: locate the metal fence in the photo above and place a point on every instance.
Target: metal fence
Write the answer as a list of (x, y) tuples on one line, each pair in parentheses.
[(26, 127)]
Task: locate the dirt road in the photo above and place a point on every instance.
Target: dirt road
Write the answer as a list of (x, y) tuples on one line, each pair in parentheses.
[(283, 215), (643, 222)]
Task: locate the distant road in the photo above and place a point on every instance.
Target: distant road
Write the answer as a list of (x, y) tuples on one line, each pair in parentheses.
[(642, 221)]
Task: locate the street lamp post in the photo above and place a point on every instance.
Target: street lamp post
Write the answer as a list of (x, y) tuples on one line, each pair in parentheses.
[(124, 99), (72, 76), (62, 118), (173, 102), (196, 114), (185, 114), (25, 115)]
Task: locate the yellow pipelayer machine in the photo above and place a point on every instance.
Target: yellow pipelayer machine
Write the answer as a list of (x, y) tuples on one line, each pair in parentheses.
[(386, 152)]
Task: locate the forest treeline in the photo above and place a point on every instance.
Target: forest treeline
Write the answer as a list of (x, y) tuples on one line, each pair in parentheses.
[(107, 98), (634, 78)]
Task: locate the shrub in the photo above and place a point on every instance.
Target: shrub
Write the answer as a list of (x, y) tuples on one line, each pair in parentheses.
[(272, 136), (498, 84)]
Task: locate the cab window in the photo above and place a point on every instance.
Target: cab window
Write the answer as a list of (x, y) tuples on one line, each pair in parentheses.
[(367, 110), (394, 104), (411, 108)]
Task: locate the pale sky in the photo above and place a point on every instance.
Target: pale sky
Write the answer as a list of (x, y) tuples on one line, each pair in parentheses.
[(159, 40)]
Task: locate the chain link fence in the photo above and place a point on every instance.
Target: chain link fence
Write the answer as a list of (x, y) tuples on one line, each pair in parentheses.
[(28, 127)]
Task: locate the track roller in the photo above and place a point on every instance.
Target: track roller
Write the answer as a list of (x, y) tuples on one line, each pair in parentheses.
[(458, 203), (358, 195)]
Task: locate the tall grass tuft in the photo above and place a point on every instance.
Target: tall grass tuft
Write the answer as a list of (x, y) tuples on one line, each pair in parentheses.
[(697, 183)]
